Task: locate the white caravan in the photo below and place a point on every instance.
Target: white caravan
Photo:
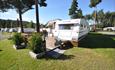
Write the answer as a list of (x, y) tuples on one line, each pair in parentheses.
[(71, 30)]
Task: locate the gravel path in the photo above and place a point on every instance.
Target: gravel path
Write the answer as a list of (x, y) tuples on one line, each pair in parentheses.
[(50, 42), (54, 51)]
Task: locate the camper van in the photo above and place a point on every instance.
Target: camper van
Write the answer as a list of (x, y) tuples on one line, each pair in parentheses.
[(71, 30)]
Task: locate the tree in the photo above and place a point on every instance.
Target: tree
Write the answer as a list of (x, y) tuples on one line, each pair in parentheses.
[(41, 3), (74, 12), (88, 16), (94, 15), (4, 6), (94, 3), (30, 24), (80, 13), (3, 24), (17, 25), (109, 19), (100, 17), (13, 23), (21, 6), (113, 18)]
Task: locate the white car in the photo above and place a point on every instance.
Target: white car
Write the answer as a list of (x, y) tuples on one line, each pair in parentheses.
[(109, 29), (2, 29), (12, 30)]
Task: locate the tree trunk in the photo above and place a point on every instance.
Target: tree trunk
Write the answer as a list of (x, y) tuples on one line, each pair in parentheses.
[(37, 16), (20, 17), (17, 25), (95, 18)]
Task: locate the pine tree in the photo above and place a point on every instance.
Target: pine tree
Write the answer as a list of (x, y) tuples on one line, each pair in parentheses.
[(74, 11)]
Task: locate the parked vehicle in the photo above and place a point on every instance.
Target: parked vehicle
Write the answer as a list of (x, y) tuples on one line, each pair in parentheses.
[(109, 29), (9, 29), (6, 29), (70, 30), (26, 30), (13, 30), (2, 29)]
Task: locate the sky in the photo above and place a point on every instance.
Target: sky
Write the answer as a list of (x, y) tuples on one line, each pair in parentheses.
[(58, 9)]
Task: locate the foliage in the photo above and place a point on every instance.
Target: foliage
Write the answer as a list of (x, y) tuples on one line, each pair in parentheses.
[(17, 39), (42, 3), (22, 5), (80, 13), (31, 25), (13, 24), (88, 17), (35, 43), (106, 19), (74, 11), (93, 3), (100, 16), (4, 6), (109, 19)]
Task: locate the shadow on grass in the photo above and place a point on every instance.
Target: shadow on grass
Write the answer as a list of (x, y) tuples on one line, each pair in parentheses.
[(0, 50), (62, 57), (93, 40)]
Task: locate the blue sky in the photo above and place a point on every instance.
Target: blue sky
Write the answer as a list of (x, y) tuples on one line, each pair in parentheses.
[(59, 9)]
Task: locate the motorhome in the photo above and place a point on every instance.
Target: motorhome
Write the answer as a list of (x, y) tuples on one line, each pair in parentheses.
[(70, 30)]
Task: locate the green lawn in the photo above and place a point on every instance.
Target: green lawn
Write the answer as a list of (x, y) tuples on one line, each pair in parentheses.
[(90, 55)]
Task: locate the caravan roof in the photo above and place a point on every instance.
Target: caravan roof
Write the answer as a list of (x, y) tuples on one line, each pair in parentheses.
[(69, 21)]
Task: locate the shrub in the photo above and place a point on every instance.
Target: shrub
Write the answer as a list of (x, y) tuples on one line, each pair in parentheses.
[(17, 39), (35, 43)]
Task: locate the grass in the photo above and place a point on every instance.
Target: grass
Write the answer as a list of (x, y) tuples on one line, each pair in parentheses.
[(6, 35), (90, 55), (96, 40)]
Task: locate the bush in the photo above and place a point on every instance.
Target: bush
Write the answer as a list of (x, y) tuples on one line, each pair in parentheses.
[(35, 43), (17, 39)]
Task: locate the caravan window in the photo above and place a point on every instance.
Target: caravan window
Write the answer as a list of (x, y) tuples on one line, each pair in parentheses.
[(66, 26)]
